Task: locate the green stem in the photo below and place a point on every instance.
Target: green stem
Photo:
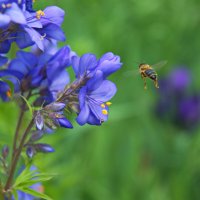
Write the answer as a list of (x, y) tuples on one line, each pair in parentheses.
[(17, 155), (17, 133), (21, 115)]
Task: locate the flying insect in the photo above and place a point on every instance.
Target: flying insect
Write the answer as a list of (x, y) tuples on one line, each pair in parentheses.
[(148, 71)]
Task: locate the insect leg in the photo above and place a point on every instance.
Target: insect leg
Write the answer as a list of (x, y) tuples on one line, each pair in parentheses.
[(144, 79), (156, 83)]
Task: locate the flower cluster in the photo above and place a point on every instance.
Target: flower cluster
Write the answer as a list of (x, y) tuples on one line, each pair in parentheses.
[(37, 80), (176, 102), (21, 24)]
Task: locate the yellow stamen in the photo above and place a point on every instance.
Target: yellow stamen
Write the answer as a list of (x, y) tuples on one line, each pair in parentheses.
[(104, 112), (34, 1), (39, 14), (103, 105), (108, 103), (8, 93)]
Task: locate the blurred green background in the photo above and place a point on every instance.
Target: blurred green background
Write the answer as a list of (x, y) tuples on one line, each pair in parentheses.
[(134, 155)]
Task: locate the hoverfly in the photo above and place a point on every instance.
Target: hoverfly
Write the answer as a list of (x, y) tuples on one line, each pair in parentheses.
[(148, 71)]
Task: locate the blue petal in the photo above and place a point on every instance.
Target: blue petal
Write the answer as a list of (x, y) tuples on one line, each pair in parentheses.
[(62, 56), (3, 60), (57, 78), (65, 123), (16, 14), (19, 66), (45, 148), (83, 115), (75, 65), (27, 58), (5, 46), (104, 92), (3, 89), (87, 62), (95, 81), (93, 120), (53, 14), (53, 31), (32, 21), (96, 110), (35, 37), (109, 63), (4, 20), (82, 96), (23, 39)]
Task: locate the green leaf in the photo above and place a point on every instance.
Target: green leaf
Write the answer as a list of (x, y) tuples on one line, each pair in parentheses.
[(34, 179), (15, 194), (23, 178), (35, 193)]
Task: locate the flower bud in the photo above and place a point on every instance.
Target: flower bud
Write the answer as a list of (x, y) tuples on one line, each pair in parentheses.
[(5, 151), (44, 148), (39, 121), (65, 123), (55, 107), (30, 151), (36, 135)]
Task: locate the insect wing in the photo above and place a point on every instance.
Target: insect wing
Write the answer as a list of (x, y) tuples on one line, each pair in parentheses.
[(134, 72), (159, 65)]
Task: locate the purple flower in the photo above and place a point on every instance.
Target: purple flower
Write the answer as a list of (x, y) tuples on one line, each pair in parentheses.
[(29, 27), (4, 91), (10, 11), (45, 73), (109, 63), (88, 64), (83, 65), (189, 111), (93, 99), (179, 78), (11, 16), (32, 149), (51, 117), (41, 27), (174, 101)]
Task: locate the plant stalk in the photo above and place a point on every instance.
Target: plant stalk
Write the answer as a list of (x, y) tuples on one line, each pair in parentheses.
[(17, 155)]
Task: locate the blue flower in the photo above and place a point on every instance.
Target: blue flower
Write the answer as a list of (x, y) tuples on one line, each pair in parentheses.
[(42, 26), (175, 103), (11, 16), (7, 76), (94, 100), (52, 116), (83, 65), (109, 63), (10, 11), (88, 64), (4, 91), (45, 73), (29, 27), (188, 113)]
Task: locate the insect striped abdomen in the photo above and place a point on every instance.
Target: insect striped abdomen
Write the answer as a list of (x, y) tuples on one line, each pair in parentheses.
[(151, 74)]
